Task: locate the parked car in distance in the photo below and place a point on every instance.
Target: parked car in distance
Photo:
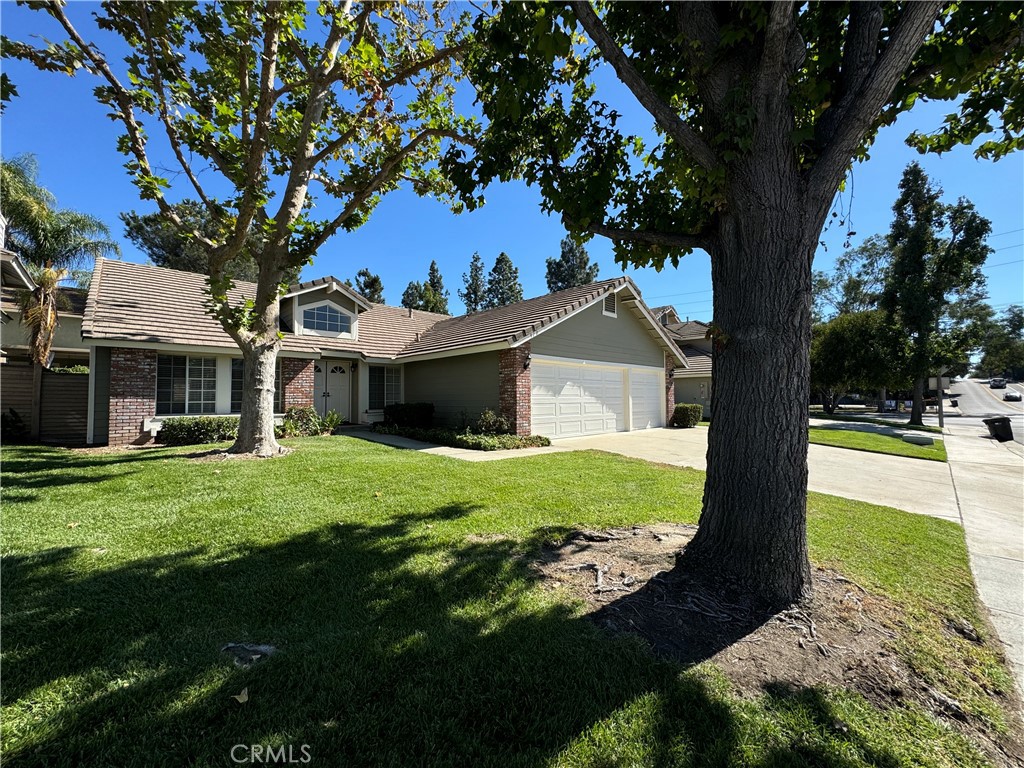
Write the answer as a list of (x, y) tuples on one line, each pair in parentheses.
[(997, 383), (1011, 394)]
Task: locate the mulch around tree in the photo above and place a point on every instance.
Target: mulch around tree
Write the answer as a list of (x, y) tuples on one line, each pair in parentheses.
[(842, 637)]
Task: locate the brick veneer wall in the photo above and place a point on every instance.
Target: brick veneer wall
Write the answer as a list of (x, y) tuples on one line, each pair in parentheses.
[(514, 387), (670, 388), (297, 380), (132, 395)]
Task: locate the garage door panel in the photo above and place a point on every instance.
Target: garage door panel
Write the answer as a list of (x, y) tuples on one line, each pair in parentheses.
[(647, 402), (576, 400)]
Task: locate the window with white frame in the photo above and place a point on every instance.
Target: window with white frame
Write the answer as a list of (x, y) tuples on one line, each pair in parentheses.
[(385, 386), (185, 384), (326, 319)]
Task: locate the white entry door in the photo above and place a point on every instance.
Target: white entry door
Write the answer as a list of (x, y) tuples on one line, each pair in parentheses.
[(571, 400), (332, 387)]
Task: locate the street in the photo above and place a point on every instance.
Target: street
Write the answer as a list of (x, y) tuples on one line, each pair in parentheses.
[(976, 402)]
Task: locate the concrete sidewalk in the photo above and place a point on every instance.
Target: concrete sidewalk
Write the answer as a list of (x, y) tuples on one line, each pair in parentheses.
[(989, 481)]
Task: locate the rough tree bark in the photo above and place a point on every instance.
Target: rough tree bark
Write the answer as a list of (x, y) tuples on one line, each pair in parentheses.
[(260, 344), (753, 523)]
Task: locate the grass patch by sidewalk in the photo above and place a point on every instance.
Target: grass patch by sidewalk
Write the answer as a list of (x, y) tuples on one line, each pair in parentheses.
[(411, 628), (876, 443), (820, 414)]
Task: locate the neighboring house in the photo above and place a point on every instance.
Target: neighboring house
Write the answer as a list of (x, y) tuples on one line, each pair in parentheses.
[(68, 348), (582, 361), (50, 406), (692, 382)]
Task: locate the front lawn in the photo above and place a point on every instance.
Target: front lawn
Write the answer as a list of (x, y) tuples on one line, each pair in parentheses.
[(876, 443), (411, 629)]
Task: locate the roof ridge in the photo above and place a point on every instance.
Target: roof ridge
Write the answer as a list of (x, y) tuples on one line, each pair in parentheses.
[(92, 297)]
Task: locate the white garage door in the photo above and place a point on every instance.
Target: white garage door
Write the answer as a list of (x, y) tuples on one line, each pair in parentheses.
[(648, 399), (569, 400), (572, 400)]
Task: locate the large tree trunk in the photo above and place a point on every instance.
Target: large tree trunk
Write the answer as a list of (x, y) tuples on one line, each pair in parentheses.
[(256, 422), (752, 534), (917, 407), (260, 345)]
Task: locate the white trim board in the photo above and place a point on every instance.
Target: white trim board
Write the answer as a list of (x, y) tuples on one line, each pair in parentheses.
[(553, 360)]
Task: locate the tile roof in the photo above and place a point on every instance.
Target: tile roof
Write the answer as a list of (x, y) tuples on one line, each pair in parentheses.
[(384, 331), (698, 362), (75, 300), (691, 329), (510, 323), (327, 280), (141, 303)]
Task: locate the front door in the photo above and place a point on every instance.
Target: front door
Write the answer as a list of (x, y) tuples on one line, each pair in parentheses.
[(332, 388)]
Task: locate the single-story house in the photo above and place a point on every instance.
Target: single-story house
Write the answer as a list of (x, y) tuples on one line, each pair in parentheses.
[(582, 361), (692, 381)]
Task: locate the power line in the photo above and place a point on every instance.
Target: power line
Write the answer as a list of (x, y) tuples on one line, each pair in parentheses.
[(1001, 264)]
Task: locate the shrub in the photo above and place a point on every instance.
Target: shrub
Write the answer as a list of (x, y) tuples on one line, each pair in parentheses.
[(301, 421), (305, 421), (70, 369), (455, 439), (13, 428), (330, 422), (686, 415), (416, 415), (194, 430), (491, 423)]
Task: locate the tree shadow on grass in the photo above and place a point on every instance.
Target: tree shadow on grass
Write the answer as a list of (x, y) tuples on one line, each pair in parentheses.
[(29, 468), (394, 648)]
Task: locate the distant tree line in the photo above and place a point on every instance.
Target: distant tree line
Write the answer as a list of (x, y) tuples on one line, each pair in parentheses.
[(904, 305)]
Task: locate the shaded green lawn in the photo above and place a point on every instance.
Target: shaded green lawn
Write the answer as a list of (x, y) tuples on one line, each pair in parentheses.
[(410, 630), (876, 443)]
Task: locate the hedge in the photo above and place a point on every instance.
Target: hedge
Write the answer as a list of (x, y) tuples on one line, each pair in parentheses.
[(686, 415), (194, 430), (455, 439)]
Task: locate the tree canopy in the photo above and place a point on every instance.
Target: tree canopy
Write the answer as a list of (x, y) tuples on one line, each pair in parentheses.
[(503, 286), (166, 245), (473, 293), (937, 251), (287, 121), (571, 268), (368, 285), (758, 111)]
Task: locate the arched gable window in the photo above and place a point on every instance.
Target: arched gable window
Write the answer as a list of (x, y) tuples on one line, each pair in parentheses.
[(326, 319)]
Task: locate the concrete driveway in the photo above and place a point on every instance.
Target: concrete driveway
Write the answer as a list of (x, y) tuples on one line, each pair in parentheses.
[(913, 485)]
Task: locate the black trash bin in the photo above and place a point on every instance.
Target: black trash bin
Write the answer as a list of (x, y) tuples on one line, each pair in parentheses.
[(999, 428)]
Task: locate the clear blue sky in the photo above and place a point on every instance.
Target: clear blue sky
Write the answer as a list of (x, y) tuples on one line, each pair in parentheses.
[(56, 118)]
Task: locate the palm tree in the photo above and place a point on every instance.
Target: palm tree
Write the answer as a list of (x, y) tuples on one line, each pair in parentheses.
[(55, 244), (39, 308), (25, 202)]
